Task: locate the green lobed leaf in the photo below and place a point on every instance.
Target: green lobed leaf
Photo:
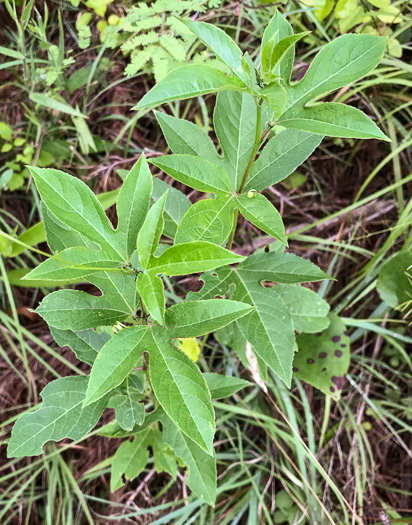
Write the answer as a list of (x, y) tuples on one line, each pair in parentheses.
[(76, 310), (181, 389), (187, 82), (192, 257), (323, 359), (222, 46), (73, 263), (268, 327), (184, 137), (115, 361), (133, 203), (60, 416), (151, 291), (130, 459), (176, 206), (260, 212), (195, 318), (208, 220), (308, 310), (85, 343), (74, 204), (235, 119), (342, 61), (195, 172), (280, 157), (164, 458), (222, 386), (332, 119), (201, 466), (118, 288), (151, 231)]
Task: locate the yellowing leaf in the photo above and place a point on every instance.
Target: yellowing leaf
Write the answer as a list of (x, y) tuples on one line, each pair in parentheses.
[(190, 347)]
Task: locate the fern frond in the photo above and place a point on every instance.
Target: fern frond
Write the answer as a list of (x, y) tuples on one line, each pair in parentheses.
[(140, 40), (137, 62), (174, 47)]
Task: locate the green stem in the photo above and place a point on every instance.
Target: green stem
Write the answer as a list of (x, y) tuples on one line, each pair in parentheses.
[(255, 147), (326, 414), (247, 171)]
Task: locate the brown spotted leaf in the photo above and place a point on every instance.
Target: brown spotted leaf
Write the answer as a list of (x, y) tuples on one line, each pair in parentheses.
[(323, 358)]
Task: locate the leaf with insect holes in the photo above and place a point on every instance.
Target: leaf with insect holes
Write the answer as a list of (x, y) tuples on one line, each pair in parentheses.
[(195, 172), (201, 477), (280, 157), (187, 82), (129, 410), (323, 359), (222, 46), (60, 416), (151, 291), (181, 389), (164, 458), (77, 310), (73, 263), (260, 212), (130, 459), (195, 318), (269, 326), (115, 361), (208, 220), (308, 310), (332, 119), (133, 203), (221, 386), (151, 231), (85, 343), (76, 206), (192, 257)]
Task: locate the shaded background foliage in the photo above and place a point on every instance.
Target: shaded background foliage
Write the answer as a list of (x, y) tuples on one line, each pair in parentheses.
[(347, 209)]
